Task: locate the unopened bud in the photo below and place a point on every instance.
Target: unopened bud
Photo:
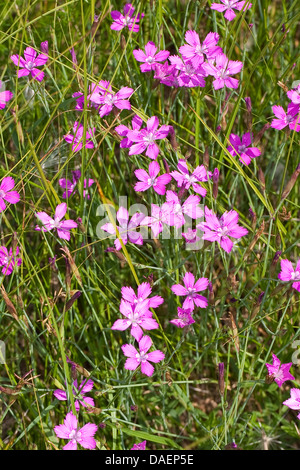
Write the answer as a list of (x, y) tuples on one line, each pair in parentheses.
[(44, 47), (215, 178), (221, 378), (291, 183), (206, 158)]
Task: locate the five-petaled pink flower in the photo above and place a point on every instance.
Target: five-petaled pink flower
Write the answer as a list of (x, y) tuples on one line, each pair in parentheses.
[(143, 292), (121, 21), (195, 51), (158, 217), (104, 97), (71, 185), (4, 97), (221, 229), (152, 180), (63, 227), (137, 316), (288, 273), (8, 260), (6, 193), (190, 291), (77, 138), (83, 436), (30, 63), (184, 317), (79, 393), (142, 357), (294, 95), (174, 210), (123, 130), (242, 148), (290, 118), (126, 228), (279, 372), (145, 138), (188, 75), (185, 180), (229, 6), (149, 57), (139, 446), (294, 401), (221, 68)]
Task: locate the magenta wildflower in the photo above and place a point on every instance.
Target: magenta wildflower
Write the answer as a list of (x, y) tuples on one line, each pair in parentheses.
[(6, 193), (121, 21), (294, 401), (185, 180), (242, 148), (126, 228), (30, 63), (79, 394), (195, 52), (191, 236), (44, 47), (122, 130), (63, 227), (71, 185), (158, 217), (279, 372), (221, 68), (288, 273), (139, 446), (291, 118), (137, 316), (184, 317), (145, 138), (166, 74), (8, 260), (77, 138), (142, 357), (189, 75), (106, 99), (229, 6), (4, 96), (190, 290), (174, 211), (152, 180), (83, 436), (143, 292), (294, 95), (149, 57), (221, 229)]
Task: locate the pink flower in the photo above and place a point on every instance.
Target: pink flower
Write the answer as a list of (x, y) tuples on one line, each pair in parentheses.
[(139, 446), (279, 372), (8, 260), (44, 47), (294, 401), (4, 97), (107, 99), (166, 74), (79, 394), (145, 138), (174, 211), (221, 70), (63, 227), (242, 148), (152, 180), (294, 95), (158, 217), (284, 119), (142, 357), (229, 5), (185, 180), (191, 236), (184, 318), (288, 273), (189, 75), (195, 52), (6, 193), (149, 57), (137, 316), (71, 185), (126, 228), (143, 292), (190, 290), (123, 131), (77, 138), (83, 436), (29, 64), (128, 19), (221, 229)]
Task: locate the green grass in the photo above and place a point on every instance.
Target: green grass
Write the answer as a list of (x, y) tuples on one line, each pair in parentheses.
[(180, 406)]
